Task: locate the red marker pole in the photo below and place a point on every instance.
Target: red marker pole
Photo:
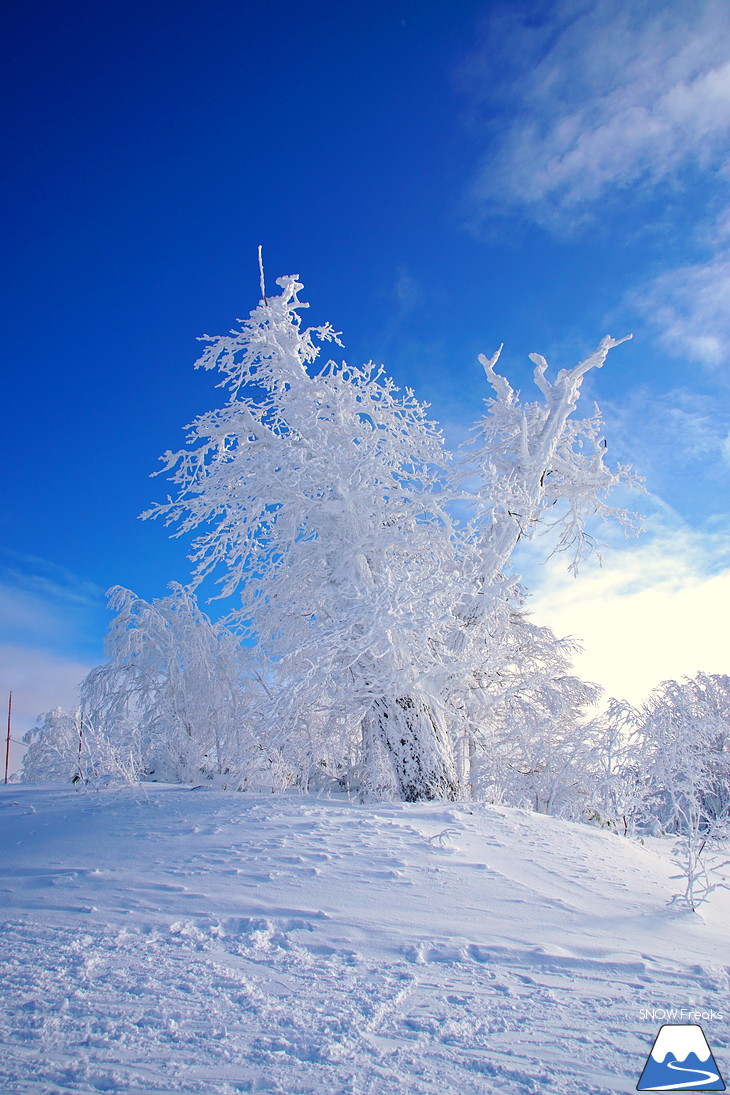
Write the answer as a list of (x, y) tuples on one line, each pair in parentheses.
[(7, 743)]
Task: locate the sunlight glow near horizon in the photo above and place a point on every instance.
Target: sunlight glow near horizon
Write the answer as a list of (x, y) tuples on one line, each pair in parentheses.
[(642, 618)]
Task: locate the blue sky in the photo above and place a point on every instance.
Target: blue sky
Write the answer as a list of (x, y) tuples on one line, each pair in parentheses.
[(444, 177)]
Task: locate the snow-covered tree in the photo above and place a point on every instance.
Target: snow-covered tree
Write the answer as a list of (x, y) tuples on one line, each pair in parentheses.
[(664, 768), (618, 764), (324, 497), (686, 727), (321, 497), (53, 748), (528, 742), (169, 704)]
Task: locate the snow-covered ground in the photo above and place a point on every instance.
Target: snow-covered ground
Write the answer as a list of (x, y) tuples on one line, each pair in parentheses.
[(163, 939)]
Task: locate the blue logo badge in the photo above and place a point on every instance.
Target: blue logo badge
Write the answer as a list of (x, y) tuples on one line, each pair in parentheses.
[(680, 1060)]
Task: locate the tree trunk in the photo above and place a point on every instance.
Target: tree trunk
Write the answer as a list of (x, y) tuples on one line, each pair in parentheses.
[(406, 751)]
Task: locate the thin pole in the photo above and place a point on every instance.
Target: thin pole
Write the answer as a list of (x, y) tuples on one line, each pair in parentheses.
[(81, 739), (7, 743), (261, 276)]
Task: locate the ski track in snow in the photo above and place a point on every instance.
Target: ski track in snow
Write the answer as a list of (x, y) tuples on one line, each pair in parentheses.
[(166, 940)]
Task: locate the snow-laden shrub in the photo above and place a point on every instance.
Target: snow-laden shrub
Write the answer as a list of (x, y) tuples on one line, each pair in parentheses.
[(53, 748), (169, 705), (664, 769), (686, 730)]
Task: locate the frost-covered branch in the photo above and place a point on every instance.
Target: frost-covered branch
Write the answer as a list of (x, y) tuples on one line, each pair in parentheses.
[(532, 457)]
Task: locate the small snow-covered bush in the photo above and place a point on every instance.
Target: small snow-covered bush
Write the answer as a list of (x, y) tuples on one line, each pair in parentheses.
[(664, 769), (53, 748), (169, 704)]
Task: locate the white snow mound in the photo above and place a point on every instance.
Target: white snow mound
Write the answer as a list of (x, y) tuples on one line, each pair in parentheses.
[(176, 941)]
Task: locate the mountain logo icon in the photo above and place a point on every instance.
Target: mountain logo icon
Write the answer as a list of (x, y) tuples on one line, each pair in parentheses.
[(680, 1060)]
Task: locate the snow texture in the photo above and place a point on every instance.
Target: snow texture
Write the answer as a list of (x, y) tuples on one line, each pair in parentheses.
[(164, 939)]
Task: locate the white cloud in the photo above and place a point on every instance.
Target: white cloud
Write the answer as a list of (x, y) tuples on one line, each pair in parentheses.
[(677, 440), (602, 95), (690, 306), (655, 611), (588, 110)]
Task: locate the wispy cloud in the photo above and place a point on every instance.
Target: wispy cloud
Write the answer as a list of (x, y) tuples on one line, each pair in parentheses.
[(616, 113), (689, 307), (407, 292), (679, 434), (601, 96), (41, 603)]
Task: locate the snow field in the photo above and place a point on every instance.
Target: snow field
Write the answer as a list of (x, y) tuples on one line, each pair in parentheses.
[(162, 939)]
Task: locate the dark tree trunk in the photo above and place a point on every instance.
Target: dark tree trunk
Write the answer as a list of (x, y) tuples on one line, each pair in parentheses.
[(407, 752)]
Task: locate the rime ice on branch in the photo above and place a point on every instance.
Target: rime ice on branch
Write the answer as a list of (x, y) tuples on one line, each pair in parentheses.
[(532, 456)]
